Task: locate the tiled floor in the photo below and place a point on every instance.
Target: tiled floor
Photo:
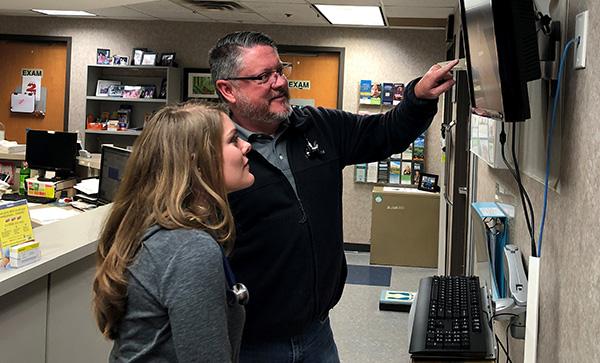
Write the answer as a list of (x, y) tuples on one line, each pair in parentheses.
[(362, 332)]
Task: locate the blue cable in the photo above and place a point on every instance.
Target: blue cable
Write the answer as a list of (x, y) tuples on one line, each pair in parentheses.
[(549, 145)]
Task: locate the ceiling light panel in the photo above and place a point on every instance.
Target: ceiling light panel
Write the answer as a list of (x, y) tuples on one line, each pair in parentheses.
[(352, 14), (63, 12)]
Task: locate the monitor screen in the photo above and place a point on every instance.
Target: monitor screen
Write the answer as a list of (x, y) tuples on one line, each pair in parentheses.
[(112, 167), (51, 150), (501, 49)]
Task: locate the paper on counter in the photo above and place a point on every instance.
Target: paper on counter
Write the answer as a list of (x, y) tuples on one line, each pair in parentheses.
[(88, 186), (48, 215)]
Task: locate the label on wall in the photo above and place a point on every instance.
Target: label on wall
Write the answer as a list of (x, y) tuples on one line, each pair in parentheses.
[(299, 84), (32, 81)]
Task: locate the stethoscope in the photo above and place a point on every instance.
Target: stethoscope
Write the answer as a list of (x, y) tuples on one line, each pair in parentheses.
[(237, 293)]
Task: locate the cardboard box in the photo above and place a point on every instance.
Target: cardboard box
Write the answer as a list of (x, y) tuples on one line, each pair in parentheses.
[(404, 227)]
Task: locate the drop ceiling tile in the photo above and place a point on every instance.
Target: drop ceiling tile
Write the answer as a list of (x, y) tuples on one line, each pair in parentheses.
[(167, 10), (120, 12), (346, 2), (417, 12), (234, 17), (276, 13), (422, 3)]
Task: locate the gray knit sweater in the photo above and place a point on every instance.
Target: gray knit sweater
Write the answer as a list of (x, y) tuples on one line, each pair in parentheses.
[(177, 309)]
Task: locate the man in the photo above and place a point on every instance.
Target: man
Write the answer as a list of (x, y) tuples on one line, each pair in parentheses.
[(289, 247)]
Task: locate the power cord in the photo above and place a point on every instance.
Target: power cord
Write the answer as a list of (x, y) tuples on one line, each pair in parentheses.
[(549, 144), (522, 192), (504, 349)]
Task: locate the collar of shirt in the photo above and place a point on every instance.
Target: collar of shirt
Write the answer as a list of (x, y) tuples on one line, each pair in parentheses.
[(251, 136)]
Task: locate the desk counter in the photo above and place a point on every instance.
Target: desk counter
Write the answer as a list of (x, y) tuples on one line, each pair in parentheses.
[(45, 307), (61, 243)]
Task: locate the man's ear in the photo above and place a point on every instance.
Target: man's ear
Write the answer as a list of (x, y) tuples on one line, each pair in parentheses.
[(224, 87)]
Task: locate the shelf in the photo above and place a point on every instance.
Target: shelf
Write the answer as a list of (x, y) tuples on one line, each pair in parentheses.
[(106, 132), (121, 99), (130, 68)]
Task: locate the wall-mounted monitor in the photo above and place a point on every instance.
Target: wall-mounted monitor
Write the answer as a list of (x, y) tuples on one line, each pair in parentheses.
[(502, 56)]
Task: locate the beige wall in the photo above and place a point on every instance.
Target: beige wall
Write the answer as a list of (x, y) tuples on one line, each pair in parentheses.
[(570, 262), (384, 55)]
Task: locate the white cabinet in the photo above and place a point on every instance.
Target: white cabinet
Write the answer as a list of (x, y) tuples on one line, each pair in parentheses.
[(140, 107)]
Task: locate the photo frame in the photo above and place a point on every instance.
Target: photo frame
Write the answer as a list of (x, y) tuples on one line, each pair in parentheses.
[(132, 91), (120, 60), (148, 92), (136, 57), (197, 83), (167, 59), (115, 90), (103, 86), (103, 56), (149, 59), (428, 183)]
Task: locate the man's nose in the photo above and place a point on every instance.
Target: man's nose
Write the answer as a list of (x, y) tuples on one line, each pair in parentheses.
[(280, 82)]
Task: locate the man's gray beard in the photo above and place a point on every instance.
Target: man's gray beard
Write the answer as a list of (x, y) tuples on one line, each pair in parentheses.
[(261, 114)]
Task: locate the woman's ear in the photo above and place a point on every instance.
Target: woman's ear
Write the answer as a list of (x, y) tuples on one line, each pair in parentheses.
[(226, 90)]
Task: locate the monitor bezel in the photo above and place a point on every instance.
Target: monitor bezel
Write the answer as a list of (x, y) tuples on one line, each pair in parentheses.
[(105, 149)]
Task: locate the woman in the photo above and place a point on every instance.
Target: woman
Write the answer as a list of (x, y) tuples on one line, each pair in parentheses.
[(161, 290)]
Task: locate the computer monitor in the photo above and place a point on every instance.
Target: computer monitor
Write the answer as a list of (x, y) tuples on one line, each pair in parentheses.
[(501, 50), (52, 151), (112, 167)]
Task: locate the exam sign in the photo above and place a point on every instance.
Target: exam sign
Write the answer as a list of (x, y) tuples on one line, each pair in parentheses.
[(299, 84), (32, 72)]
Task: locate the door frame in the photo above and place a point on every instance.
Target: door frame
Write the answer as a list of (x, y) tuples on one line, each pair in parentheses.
[(309, 49), (47, 39)]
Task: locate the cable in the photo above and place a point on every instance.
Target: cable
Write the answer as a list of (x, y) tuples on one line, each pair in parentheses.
[(549, 144), (496, 335), (517, 179), (522, 190), (507, 346)]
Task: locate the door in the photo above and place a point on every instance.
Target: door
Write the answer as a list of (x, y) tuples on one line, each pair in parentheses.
[(315, 78), (52, 58)]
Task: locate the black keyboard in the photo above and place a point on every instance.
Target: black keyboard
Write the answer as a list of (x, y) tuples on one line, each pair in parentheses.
[(449, 320)]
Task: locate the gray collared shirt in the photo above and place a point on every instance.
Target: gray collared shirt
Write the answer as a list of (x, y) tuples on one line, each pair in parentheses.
[(271, 147)]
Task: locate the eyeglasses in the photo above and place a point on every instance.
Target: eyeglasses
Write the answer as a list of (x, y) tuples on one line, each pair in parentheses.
[(284, 70)]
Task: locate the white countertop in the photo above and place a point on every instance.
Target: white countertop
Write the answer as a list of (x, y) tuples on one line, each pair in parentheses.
[(61, 243)]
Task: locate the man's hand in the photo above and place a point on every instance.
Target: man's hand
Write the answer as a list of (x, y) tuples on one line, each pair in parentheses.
[(436, 81)]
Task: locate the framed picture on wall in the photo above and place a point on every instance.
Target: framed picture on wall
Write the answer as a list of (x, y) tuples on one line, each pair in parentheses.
[(197, 83)]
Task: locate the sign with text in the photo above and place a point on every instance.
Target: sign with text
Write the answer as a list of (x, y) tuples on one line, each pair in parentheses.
[(32, 81), (15, 224), (299, 84)]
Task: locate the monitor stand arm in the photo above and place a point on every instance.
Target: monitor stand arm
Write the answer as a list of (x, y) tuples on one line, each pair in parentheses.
[(513, 308)]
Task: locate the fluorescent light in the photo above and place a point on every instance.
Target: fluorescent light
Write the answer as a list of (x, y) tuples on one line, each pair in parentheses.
[(64, 12), (351, 14)]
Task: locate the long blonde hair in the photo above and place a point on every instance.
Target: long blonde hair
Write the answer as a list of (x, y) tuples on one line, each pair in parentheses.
[(173, 178)]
